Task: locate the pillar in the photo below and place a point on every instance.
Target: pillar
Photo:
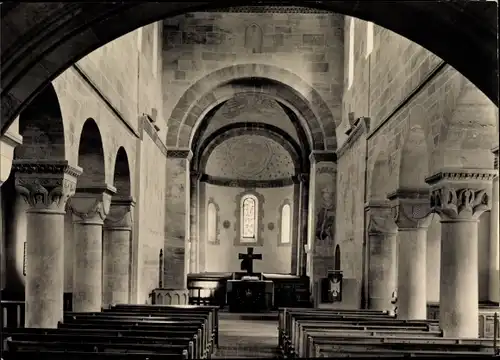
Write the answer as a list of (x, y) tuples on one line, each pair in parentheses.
[(177, 210), (194, 222), (116, 252), (89, 207), (45, 186), (303, 180), (411, 211), (382, 255), (460, 196), (494, 278), (322, 212)]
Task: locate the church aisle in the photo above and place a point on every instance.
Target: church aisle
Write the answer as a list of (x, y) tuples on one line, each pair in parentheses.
[(254, 336)]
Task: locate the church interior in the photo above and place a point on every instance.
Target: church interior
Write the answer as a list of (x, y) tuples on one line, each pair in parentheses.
[(253, 181)]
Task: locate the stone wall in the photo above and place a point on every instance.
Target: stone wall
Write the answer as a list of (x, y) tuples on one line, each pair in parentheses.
[(308, 45), (223, 255), (127, 72), (113, 90), (351, 184), (423, 115), (383, 78), (150, 212)]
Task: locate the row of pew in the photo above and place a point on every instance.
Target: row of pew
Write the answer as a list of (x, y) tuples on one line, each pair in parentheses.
[(125, 331), (314, 333)]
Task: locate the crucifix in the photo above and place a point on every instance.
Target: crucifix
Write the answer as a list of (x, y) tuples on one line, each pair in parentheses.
[(247, 260)]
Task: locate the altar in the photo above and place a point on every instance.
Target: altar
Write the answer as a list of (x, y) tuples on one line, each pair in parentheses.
[(249, 291), (250, 295)]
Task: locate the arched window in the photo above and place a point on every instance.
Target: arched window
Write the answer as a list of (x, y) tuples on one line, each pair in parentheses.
[(350, 75), (212, 223), (285, 230), (249, 210), (369, 38)]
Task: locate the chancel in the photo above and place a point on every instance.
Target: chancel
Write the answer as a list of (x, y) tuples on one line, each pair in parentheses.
[(246, 180)]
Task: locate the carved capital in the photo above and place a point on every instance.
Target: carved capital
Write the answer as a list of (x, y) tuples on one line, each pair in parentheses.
[(380, 218), (90, 205), (411, 208), (120, 217), (45, 185), (461, 195)]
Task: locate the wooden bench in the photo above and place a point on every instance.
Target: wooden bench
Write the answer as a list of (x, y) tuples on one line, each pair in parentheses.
[(203, 346), (153, 309), (134, 334), (195, 326), (308, 333), (327, 346), (76, 355)]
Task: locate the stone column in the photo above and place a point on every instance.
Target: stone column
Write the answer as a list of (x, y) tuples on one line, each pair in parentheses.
[(322, 212), (177, 219), (46, 187), (460, 196), (303, 180), (194, 222), (89, 206), (494, 278), (411, 213), (116, 252), (382, 255)]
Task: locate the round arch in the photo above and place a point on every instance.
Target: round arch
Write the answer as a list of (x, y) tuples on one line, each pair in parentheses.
[(277, 82), (42, 127), (269, 131), (122, 181), (34, 53), (91, 155), (225, 94)]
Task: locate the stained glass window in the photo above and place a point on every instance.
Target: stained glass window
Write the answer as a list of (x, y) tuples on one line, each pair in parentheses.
[(212, 223), (249, 217), (285, 224)]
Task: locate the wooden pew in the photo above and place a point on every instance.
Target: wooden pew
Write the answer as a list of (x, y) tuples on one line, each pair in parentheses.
[(76, 355), (327, 346), (212, 310), (346, 335), (178, 333), (194, 326), (203, 346)]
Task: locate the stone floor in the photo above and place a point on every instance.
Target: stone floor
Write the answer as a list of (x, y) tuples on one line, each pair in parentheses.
[(247, 336)]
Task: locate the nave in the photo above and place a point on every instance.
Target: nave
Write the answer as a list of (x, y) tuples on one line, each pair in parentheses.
[(150, 332)]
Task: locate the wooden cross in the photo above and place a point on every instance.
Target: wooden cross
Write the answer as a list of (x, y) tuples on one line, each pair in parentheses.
[(247, 260)]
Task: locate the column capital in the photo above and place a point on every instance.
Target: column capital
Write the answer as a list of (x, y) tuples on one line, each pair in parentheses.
[(45, 185), (119, 216), (461, 194), (410, 208), (380, 218), (90, 204)]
